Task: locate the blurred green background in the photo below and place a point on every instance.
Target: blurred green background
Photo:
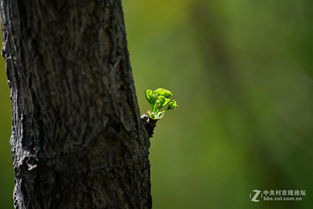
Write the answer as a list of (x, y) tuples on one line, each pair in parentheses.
[(242, 74)]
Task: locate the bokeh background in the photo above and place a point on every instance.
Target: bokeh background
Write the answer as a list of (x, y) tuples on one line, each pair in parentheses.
[(241, 71)]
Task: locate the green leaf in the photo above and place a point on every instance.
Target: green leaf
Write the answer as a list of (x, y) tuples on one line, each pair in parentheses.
[(151, 96), (172, 105), (163, 101), (159, 102), (163, 92), (156, 107), (148, 94), (166, 102), (154, 98)]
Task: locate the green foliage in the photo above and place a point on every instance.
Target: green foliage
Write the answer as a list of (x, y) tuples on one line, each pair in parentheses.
[(160, 102)]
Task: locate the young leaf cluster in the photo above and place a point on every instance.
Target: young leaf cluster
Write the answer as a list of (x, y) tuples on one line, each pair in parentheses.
[(160, 102)]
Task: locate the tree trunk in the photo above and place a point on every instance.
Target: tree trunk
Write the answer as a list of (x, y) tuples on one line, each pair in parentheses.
[(77, 138)]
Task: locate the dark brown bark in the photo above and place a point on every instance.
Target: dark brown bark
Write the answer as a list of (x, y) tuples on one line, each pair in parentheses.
[(77, 138), (149, 124)]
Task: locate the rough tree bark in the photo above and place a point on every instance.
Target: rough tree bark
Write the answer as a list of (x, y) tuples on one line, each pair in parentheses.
[(77, 138)]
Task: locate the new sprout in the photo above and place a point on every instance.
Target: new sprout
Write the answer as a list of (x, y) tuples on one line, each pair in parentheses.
[(160, 102)]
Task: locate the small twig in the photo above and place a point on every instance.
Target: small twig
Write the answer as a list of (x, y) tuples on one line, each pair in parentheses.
[(149, 124)]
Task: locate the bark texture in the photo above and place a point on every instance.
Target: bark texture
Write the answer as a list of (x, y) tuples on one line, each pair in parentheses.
[(77, 137)]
